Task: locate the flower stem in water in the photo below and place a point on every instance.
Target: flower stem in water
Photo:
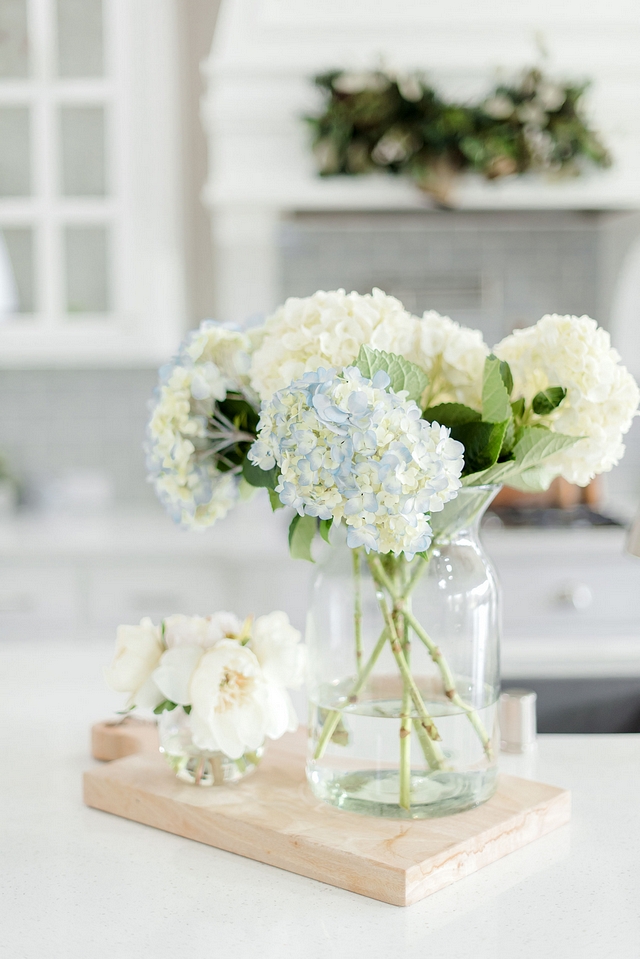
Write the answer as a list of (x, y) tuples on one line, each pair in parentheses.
[(357, 608), (333, 718)]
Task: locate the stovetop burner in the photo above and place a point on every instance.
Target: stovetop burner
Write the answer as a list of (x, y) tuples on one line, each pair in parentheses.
[(550, 517)]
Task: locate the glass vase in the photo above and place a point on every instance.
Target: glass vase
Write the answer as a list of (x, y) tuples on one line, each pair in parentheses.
[(200, 767), (404, 673)]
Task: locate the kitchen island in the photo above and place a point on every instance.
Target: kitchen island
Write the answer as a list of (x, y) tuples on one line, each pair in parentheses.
[(76, 882)]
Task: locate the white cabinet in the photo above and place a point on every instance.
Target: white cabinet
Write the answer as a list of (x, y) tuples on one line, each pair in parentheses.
[(90, 253)]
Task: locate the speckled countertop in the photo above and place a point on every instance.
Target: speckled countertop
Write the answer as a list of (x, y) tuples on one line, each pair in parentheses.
[(75, 882)]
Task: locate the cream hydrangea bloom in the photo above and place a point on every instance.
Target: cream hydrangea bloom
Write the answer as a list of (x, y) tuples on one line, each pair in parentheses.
[(327, 330), (212, 361), (602, 396), (453, 357)]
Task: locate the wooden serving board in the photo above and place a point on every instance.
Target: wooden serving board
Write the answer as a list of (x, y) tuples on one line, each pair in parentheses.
[(273, 817)]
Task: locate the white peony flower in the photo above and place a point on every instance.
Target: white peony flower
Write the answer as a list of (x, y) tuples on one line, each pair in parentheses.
[(138, 652), (233, 706), (275, 643), (173, 675), (203, 631), (453, 357), (602, 396), (327, 330)]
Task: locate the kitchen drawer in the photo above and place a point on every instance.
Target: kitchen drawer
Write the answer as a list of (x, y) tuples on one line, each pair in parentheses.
[(127, 593), (33, 596), (565, 595)]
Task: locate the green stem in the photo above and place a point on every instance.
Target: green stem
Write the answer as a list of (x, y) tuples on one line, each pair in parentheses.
[(405, 716), (333, 718), (436, 655), (433, 752), (448, 681), (357, 608)]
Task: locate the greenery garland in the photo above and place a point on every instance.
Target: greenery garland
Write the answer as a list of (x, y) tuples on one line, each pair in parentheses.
[(400, 125)]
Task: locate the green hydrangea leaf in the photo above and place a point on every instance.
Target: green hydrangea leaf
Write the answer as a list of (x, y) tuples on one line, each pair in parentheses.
[(403, 374), (301, 533), (546, 401), (256, 476), (451, 414), (517, 408), (275, 501), (482, 443), (507, 376), (534, 445), (324, 526), (496, 407)]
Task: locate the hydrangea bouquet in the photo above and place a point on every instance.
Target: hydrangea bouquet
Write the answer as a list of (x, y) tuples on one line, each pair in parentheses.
[(359, 416)]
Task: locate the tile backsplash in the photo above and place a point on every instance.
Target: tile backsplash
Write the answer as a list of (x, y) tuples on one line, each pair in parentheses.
[(493, 271), (57, 422)]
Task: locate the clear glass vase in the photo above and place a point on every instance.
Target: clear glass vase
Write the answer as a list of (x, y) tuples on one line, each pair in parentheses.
[(404, 673), (200, 767)]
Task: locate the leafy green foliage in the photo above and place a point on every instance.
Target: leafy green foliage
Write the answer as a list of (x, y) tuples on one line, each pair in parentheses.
[(275, 501), (496, 407), (548, 400), (451, 414), (517, 408), (324, 526), (403, 374), (301, 533), (534, 445), (482, 444), (166, 704), (235, 411), (409, 129), (507, 376), (258, 477)]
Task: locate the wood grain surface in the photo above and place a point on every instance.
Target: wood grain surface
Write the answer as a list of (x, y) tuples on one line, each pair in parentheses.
[(273, 817)]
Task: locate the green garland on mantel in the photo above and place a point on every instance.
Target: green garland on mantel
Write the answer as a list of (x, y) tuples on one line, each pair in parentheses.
[(379, 121)]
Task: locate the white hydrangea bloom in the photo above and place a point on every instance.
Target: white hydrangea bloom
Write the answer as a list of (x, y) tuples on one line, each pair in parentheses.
[(327, 330), (602, 396), (349, 449), (453, 357), (212, 361)]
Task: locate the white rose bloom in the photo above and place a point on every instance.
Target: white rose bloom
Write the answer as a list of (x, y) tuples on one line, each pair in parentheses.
[(602, 396), (203, 631), (453, 357), (327, 330), (233, 706), (138, 652)]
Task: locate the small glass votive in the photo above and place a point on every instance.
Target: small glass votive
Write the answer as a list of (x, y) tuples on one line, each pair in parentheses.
[(518, 726)]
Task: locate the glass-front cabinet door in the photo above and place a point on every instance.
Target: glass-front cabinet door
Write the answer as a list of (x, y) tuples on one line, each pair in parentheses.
[(90, 260)]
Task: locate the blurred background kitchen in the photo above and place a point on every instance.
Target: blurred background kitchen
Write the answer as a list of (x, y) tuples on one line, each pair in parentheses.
[(155, 171)]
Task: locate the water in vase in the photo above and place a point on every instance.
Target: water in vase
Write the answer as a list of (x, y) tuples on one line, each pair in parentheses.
[(351, 770)]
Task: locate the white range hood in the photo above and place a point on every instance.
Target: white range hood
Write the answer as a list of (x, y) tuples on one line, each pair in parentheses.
[(265, 53)]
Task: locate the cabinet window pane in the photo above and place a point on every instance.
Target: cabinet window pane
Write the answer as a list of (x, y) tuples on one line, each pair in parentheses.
[(86, 268), (14, 51), (16, 270), (83, 162), (15, 178), (80, 38)]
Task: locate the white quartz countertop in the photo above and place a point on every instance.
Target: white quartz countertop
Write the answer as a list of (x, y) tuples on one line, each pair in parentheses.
[(76, 882)]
